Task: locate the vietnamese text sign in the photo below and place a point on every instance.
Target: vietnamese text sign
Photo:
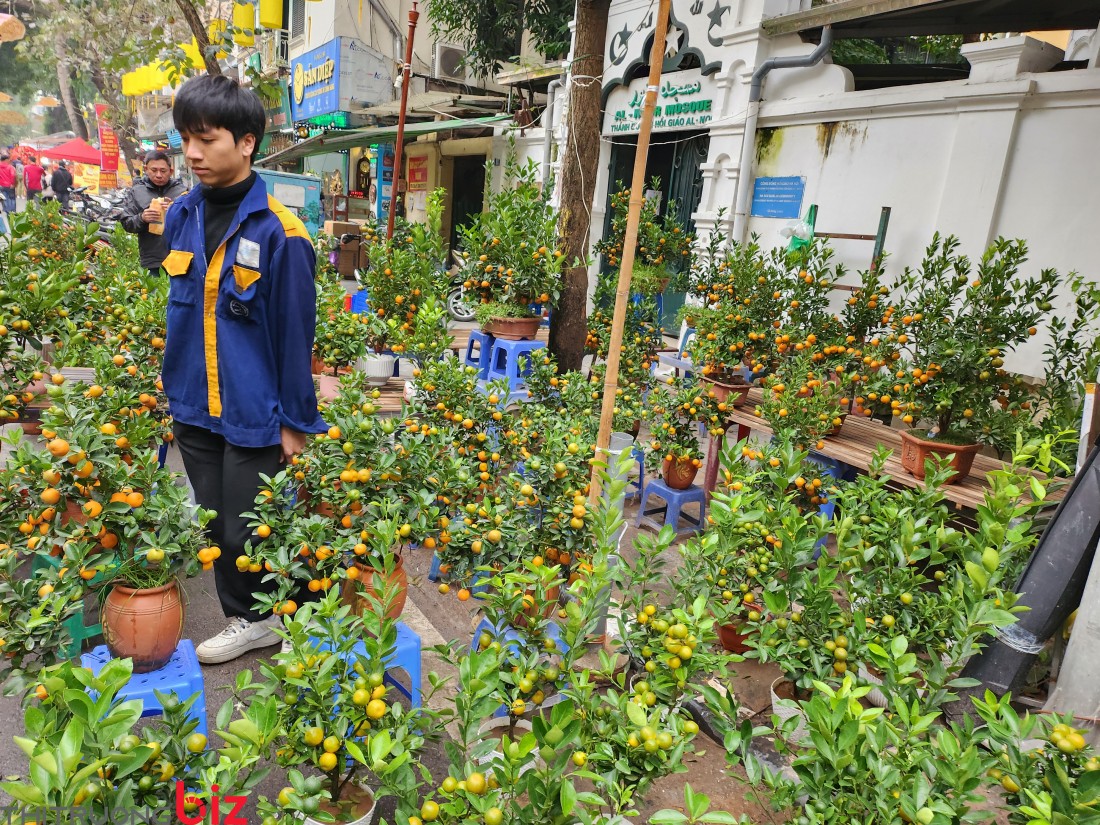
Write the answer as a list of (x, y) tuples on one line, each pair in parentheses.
[(314, 78), (108, 141), (418, 172), (685, 100), (778, 197)]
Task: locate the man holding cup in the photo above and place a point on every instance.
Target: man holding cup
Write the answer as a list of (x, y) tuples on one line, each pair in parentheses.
[(145, 205)]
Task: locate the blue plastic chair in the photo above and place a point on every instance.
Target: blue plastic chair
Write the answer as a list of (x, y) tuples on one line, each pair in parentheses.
[(479, 350), (182, 675), (674, 501), (407, 656), (511, 360), (510, 638)]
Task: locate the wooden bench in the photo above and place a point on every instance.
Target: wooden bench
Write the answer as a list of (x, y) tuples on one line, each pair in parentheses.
[(855, 446)]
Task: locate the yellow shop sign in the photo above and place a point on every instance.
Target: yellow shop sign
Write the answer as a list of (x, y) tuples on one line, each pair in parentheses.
[(307, 76)]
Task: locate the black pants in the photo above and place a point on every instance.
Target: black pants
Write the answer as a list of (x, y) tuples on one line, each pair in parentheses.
[(226, 478)]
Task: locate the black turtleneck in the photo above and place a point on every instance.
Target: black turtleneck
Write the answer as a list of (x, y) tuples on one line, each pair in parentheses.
[(220, 206)]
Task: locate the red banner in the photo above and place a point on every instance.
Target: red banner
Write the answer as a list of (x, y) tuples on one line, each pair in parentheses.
[(108, 142)]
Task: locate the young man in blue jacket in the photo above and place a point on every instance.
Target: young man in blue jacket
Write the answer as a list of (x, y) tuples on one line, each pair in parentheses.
[(241, 316)]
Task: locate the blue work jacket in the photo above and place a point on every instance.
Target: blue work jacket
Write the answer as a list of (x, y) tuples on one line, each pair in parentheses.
[(241, 325)]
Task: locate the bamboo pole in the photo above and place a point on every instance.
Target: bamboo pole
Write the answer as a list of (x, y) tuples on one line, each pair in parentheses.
[(406, 74), (626, 268)]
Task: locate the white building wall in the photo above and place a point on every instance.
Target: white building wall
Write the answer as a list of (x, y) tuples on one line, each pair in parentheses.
[(1013, 151)]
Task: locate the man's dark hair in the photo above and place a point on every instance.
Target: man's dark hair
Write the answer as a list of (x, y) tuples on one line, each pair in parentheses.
[(217, 102), (157, 154)]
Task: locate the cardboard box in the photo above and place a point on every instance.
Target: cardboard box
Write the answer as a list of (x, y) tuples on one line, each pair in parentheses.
[(338, 228)]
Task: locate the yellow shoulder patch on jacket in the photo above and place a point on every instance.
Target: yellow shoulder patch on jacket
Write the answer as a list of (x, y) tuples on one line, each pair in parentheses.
[(292, 226)]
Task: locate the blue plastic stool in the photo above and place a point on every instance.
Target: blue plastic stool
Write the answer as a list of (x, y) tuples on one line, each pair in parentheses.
[(182, 675), (359, 303), (673, 507), (511, 360), (479, 581), (479, 356), (834, 469), (406, 655), (636, 493), (510, 638)]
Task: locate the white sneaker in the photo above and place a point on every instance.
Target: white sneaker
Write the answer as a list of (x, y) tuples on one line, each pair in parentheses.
[(239, 637)]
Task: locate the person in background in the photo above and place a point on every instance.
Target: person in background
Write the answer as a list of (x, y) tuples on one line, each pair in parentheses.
[(8, 180), (242, 310), (33, 179), (20, 191), (62, 183), (138, 212)]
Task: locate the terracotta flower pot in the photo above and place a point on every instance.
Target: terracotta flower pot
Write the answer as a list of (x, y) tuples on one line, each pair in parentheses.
[(548, 608), (328, 386), (915, 450), (836, 430), (371, 582), (31, 420), (513, 329), (732, 638), (679, 474), (733, 394), (145, 625)]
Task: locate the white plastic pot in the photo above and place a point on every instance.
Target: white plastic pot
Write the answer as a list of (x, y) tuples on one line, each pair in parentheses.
[(365, 819), (495, 728), (786, 711), (410, 391), (377, 368)]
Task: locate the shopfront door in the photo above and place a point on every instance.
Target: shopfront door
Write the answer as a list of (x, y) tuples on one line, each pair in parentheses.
[(675, 158), (467, 192)]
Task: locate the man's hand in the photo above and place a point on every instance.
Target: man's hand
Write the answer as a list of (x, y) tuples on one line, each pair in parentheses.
[(292, 443), (151, 215)]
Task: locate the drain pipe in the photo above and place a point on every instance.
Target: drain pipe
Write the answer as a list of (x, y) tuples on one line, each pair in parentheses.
[(391, 24), (548, 127), (748, 142)]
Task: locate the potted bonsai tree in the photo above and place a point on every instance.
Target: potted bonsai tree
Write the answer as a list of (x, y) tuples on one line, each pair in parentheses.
[(339, 719), (663, 252), (136, 543), (673, 415), (339, 342), (512, 254), (403, 273), (960, 324)]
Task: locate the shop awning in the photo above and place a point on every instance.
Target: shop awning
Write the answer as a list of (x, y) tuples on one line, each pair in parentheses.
[(335, 141), (438, 103), (899, 18), (76, 150)]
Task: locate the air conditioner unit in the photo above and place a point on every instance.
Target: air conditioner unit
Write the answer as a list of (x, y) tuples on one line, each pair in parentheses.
[(447, 62)]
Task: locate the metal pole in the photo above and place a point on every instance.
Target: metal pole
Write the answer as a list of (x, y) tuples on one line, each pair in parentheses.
[(406, 73), (626, 269)]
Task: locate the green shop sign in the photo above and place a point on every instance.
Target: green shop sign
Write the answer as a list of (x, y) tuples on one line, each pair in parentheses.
[(688, 104)]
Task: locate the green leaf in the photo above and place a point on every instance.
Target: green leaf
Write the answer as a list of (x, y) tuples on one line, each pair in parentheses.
[(898, 646), (636, 715), (977, 575), (667, 817), (568, 797)]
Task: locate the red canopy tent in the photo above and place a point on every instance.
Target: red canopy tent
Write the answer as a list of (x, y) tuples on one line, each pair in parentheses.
[(76, 150)]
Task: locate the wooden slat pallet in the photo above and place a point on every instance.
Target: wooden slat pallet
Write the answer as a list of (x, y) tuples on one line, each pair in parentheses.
[(855, 445)]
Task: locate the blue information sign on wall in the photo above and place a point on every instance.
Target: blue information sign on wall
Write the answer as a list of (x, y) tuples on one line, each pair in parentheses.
[(778, 197), (315, 81)]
